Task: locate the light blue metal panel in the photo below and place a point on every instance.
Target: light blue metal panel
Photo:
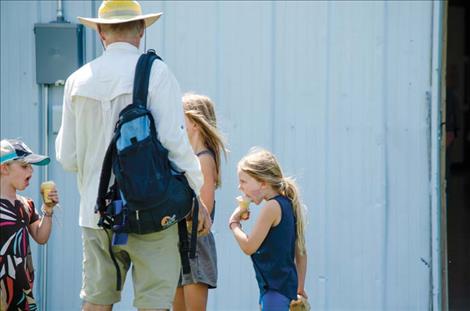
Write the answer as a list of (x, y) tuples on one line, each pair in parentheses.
[(191, 40), (354, 156), (438, 233), (408, 128), (355, 241), (298, 126), (20, 100)]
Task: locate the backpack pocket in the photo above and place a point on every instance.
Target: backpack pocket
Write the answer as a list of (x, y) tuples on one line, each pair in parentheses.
[(164, 213), (134, 130), (181, 195)]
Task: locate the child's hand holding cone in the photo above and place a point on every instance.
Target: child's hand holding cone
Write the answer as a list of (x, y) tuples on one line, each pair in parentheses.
[(50, 196), (244, 203)]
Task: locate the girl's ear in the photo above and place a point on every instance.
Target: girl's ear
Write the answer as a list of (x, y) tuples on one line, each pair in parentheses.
[(263, 185), (4, 169), (196, 129)]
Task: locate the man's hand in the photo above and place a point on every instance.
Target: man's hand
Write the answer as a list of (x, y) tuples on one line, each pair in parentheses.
[(204, 220)]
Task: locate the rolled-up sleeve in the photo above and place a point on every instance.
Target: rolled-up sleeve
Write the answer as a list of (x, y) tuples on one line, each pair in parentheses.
[(165, 102), (65, 144)]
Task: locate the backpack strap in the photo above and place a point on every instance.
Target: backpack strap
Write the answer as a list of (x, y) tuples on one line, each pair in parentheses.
[(139, 97), (105, 222), (141, 80), (184, 246), (105, 177), (116, 265), (188, 246), (192, 250)]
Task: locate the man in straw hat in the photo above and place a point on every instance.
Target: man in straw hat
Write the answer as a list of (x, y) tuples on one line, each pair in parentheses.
[(93, 97)]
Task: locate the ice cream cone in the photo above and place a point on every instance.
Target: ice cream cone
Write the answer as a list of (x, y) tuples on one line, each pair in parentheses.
[(301, 304), (46, 188), (244, 204)]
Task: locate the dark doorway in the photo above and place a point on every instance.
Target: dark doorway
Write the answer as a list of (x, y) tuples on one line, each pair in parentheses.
[(458, 154)]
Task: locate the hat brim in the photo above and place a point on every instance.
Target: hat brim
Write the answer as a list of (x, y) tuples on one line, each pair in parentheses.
[(36, 159), (149, 19)]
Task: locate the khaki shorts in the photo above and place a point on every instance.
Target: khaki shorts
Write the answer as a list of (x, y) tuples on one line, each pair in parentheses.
[(155, 268)]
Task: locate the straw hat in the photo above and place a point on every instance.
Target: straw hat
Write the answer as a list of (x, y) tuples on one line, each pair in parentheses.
[(119, 11)]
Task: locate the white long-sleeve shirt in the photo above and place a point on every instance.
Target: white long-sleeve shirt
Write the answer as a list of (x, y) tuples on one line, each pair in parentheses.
[(93, 97)]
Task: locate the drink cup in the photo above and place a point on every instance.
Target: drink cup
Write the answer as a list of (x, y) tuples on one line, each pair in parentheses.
[(46, 188)]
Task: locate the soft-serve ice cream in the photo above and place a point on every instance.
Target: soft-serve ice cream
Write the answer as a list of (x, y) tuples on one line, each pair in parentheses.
[(244, 204), (47, 187), (301, 304)]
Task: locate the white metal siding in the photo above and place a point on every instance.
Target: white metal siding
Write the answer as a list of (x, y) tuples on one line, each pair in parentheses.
[(338, 90)]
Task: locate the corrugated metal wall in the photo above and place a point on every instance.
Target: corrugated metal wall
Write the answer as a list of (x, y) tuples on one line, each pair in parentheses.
[(338, 90)]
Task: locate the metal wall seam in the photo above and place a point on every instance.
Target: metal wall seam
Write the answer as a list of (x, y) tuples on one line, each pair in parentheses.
[(437, 22)]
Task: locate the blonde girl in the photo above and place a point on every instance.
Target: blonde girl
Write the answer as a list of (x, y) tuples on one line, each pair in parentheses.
[(276, 244), (208, 144)]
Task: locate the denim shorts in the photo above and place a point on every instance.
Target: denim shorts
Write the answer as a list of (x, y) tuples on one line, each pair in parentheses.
[(274, 301)]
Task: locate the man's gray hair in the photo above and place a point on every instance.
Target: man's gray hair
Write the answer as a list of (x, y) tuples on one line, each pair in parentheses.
[(133, 28)]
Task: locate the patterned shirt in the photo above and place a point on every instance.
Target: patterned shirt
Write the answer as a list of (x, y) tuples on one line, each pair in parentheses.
[(16, 268)]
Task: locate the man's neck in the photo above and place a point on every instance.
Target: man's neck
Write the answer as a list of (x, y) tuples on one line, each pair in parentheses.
[(134, 41)]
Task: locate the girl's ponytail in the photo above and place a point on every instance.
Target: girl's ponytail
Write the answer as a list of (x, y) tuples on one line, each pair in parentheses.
[(289, 189)]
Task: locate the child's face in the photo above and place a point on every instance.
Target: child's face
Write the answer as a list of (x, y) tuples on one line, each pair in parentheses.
[(190, 126), (17, 174), (251, 187)]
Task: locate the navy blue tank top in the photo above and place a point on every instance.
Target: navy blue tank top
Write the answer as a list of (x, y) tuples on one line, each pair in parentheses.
[(274, 260)]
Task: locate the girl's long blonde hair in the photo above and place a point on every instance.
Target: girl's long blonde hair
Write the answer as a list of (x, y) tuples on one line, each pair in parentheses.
[(263, 166), (200, 110)]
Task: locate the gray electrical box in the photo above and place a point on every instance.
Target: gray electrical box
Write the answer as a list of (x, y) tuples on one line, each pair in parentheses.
[(59, 51)]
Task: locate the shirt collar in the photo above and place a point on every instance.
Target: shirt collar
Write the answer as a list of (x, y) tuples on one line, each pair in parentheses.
[(121, 46)]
